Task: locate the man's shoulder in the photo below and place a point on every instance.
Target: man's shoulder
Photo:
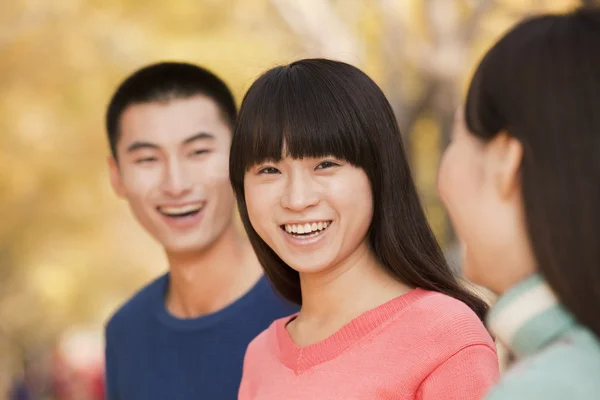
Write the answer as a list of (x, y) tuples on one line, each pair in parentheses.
[(137, 305), (271, 302)]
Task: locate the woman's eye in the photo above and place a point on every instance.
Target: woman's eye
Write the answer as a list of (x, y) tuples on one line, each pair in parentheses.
[(327, 164), (268, 170)]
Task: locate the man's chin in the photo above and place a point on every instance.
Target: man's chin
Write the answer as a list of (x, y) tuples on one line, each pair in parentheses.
[(186, 247)]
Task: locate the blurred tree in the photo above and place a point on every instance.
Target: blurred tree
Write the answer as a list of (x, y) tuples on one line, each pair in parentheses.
[(70, 252)]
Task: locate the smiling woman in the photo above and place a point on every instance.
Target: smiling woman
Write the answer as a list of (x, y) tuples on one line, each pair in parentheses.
[(328, 201), (302, 194)]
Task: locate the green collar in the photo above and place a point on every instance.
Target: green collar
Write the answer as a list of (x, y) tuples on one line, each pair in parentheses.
[(528, 317)]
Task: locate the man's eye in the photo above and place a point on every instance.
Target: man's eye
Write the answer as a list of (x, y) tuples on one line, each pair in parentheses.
[(269, 170), (145, 160)]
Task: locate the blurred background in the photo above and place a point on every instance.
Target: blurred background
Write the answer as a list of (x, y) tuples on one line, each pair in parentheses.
[(70, 252)]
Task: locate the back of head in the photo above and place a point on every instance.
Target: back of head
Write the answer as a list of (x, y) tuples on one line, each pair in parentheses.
[(541, 84), (163, 82), (321, 108)]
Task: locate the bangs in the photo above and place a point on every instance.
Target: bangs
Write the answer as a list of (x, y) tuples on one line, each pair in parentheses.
[(291, 112)]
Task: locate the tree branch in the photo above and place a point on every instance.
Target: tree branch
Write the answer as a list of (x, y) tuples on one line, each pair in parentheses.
[(321, 29), (472, 24)]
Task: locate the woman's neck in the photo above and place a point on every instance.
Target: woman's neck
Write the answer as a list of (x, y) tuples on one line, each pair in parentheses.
[(334, 297)]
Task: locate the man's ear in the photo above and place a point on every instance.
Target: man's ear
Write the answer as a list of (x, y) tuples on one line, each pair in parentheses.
[(115, 176)]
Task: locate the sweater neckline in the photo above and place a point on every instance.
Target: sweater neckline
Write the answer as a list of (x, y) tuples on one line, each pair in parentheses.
[(228, 312), (300, 359)]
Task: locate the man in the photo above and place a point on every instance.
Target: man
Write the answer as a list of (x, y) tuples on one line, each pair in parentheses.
[(184, 335)]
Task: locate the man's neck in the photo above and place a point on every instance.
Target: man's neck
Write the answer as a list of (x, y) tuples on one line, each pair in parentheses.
[(333, 298), (205, 282)]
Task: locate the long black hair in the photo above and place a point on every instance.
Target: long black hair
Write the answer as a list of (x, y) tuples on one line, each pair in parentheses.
[(321, 108), (541, 84)]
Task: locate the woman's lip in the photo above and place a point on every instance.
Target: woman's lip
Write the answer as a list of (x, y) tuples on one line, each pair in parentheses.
[(306, 241)]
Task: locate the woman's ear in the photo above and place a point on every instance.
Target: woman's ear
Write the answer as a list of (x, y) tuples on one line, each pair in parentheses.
[(505, 154)]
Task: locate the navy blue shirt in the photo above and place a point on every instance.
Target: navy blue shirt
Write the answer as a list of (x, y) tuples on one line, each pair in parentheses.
[(151, 354)]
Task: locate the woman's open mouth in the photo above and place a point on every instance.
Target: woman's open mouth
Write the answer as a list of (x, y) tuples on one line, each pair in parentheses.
[(306, 230)]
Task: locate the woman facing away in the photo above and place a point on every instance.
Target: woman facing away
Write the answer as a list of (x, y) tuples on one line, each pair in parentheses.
[(329, 204), (521, 181)]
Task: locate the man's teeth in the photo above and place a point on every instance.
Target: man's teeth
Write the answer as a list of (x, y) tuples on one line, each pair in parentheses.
[(306, 228), (190, 208)]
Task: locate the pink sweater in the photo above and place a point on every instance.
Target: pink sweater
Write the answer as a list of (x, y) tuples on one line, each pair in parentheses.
[(422, 345)]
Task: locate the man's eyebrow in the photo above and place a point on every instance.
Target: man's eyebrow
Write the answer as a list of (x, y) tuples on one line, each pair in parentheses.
[(140, 145), (137, 145), (199, 136)]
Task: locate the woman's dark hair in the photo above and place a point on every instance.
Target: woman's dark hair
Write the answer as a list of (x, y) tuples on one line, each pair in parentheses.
[(541, 84), (320, 108)]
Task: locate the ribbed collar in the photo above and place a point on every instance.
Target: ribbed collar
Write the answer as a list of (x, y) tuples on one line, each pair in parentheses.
[(529, 317), (300, 359)]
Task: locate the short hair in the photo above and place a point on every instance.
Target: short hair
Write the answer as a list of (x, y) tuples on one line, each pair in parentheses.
[(540, 83), (319, 108), (162, 82)]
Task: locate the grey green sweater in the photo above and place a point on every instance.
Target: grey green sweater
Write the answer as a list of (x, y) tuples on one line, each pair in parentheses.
[(557, 357)]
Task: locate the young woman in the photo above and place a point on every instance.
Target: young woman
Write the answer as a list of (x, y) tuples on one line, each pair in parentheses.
[(328, 202), (521, 180)]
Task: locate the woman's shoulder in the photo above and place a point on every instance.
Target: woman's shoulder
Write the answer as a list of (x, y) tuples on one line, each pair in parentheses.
[(267, 339), (443, 308), (566, 369), (444, 320)]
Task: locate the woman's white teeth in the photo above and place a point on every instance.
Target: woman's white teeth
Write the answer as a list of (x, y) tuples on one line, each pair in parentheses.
[(306, 228)]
